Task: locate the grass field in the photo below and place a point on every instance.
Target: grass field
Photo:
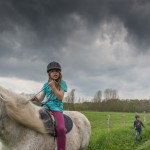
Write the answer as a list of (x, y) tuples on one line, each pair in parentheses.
[(120, 134)]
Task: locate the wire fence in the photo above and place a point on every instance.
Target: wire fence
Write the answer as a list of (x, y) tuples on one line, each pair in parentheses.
[(115, 120)]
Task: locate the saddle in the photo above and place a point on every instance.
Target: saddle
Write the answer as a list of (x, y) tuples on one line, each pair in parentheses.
[(50, 122)]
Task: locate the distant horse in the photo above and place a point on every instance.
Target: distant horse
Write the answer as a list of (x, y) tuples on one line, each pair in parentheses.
[(22, 129)]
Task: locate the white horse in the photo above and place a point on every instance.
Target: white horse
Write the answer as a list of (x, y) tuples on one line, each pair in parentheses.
[(22, 129)]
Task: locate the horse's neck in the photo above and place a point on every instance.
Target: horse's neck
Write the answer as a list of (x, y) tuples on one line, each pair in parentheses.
[(11, 131), (15, 136)]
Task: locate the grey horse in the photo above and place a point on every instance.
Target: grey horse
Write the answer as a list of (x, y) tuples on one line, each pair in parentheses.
[(22, 129)]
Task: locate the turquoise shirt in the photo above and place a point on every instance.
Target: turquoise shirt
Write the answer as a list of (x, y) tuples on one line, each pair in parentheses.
[(51, 100)]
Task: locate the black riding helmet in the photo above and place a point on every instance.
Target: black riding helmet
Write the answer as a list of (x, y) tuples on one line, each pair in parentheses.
[(137, 116), (53, 65)]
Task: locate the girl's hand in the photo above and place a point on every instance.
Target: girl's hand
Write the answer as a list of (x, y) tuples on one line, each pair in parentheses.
[(33, 99), (52, 84)]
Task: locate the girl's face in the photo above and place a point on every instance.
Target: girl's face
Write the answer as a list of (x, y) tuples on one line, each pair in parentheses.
[(54, 74)]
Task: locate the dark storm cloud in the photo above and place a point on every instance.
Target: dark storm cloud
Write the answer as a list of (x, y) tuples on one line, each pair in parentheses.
[(50, 21), (34, 32)]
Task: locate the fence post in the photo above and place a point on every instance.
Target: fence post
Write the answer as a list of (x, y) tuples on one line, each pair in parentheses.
[(124, 120), (144, 116), (108, 122)]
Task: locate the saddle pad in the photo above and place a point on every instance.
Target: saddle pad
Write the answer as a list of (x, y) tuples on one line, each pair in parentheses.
[(49, 122), (68, 123)]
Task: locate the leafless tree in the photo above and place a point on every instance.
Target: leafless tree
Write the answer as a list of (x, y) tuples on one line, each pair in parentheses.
[(98, 97), (70, 98), (110, 94)]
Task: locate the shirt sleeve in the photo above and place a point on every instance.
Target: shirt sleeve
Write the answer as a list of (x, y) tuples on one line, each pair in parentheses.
[(44, 87), (64, 86)]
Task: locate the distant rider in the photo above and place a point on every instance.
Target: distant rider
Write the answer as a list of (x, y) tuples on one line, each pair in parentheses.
[(138, 127)]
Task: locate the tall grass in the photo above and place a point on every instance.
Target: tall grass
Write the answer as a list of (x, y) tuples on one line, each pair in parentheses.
[(120, 135)]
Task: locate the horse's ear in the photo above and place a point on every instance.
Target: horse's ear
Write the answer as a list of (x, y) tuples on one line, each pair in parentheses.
[(2, 98)]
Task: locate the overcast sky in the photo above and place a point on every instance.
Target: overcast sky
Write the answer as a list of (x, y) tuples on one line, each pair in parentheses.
[(100, 44)]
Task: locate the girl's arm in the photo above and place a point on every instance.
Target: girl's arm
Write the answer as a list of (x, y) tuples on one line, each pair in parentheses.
[(142, 124), (41, 97)]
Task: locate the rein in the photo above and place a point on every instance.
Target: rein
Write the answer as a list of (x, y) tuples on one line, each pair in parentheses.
[(42, 103), (37, 94)]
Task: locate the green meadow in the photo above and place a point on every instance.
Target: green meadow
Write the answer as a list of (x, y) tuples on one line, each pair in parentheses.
[(114, 131)]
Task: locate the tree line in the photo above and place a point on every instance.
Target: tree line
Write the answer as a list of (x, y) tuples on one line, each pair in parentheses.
[(107, 94), (110, 102)]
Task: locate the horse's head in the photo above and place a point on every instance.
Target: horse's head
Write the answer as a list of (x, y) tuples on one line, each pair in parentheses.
[(24, 113), (8, 104), (9, 101)]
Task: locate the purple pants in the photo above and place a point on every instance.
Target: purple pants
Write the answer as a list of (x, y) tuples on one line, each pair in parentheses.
[(61, 130)]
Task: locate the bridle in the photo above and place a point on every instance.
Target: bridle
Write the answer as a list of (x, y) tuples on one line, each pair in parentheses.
[(2, 117)]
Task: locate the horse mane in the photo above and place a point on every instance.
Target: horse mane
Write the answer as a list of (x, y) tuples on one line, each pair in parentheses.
[(22, 110)]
